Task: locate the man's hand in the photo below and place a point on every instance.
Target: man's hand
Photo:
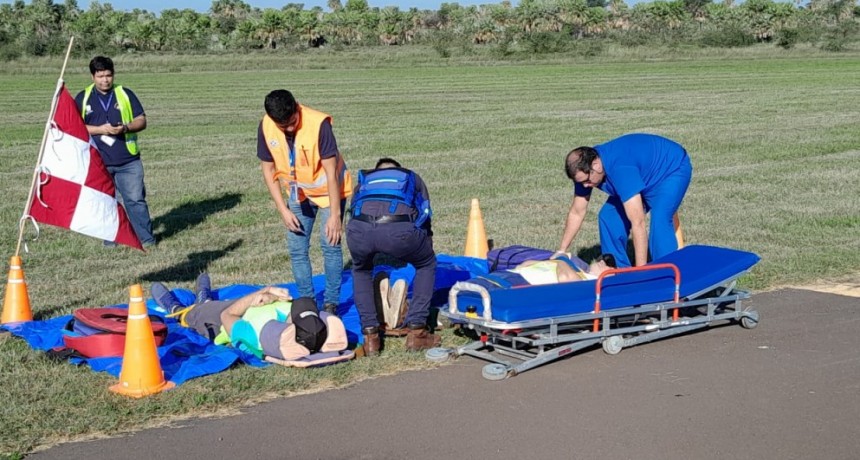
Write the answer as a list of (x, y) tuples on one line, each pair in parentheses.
[(112, 130), (279, 292), (270, 294), (333, 228), (291, 221), (575, 216)]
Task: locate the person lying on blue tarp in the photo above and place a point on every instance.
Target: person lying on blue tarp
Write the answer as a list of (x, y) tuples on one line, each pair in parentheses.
[(561, 269), (267, 322)]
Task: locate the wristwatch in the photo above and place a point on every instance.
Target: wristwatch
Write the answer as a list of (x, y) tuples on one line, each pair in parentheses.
[(124, 128)]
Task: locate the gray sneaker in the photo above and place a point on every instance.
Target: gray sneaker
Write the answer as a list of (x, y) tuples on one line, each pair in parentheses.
[(203, 288), (165, 298)]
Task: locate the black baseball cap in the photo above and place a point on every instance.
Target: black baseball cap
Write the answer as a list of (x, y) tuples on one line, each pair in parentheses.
[(311, 331)]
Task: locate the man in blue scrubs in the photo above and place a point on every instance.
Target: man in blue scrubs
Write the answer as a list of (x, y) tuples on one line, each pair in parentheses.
[(641, 173)]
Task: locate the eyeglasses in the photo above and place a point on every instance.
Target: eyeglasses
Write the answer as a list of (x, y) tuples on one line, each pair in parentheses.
[(587, 177)]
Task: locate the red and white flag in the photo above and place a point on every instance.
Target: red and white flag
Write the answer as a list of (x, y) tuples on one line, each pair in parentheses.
[(74, 189)]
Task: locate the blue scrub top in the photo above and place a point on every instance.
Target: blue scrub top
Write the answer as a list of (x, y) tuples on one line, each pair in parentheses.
[(635, 163)]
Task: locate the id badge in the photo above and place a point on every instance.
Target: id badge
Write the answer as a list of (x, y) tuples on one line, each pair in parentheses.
[(294, 192)]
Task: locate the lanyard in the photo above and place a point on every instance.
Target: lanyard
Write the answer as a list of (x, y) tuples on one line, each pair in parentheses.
[(294, 187), (292, 147), (105, 105)]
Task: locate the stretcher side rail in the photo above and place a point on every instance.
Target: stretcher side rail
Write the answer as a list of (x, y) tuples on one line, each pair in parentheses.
[(554, 330), (615, 271), (537, 342), (452, 311), (487, 302)]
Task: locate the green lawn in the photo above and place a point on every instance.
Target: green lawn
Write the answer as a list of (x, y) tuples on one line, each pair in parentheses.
[(773, 135)]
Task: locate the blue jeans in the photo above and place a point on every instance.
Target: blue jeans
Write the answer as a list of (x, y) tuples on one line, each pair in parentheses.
[(298, 245), (131, 191)]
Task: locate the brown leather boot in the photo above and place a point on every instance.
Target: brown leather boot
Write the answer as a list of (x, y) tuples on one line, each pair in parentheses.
[(372, 343), (419, 338)]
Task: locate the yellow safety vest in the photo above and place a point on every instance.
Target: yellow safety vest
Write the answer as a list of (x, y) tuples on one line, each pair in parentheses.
[(308, 172), (124, 112)]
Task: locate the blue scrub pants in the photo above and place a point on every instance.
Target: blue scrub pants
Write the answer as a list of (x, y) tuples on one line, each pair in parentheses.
[(662, 202)]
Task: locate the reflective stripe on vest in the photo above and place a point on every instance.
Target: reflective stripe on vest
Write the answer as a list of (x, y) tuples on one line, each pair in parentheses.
[(125, 113), (308, 172)]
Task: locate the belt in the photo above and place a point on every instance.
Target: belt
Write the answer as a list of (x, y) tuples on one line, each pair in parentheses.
[(386, 219)]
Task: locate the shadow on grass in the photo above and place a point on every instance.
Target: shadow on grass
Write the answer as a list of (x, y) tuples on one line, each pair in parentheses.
[(45, 313), (189, 215), (188, 270)]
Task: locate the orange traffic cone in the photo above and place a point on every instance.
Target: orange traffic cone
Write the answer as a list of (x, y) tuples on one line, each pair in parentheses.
[(141, 373), (16, 306), (679, 233), (476, 236)]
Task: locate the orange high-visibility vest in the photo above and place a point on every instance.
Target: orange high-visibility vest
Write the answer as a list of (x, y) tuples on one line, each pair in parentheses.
[(309, 174)]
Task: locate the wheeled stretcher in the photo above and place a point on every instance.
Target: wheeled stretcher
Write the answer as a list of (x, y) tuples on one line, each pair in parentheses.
[(681, 292)]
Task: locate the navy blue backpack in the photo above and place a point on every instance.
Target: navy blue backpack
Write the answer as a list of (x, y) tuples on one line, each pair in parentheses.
[(396, 185), (511, 256)]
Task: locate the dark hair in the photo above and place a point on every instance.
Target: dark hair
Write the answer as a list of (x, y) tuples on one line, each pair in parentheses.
[(280, 105), (579, 159), (100, 63), (387, 161), (608, 259)]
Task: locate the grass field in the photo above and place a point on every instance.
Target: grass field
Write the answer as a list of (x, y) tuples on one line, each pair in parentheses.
[(773, 135)]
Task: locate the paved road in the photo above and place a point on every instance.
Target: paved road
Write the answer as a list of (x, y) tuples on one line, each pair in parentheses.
[(789, 389)]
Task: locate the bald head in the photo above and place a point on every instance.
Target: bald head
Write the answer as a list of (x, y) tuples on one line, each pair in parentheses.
[(579, 159)]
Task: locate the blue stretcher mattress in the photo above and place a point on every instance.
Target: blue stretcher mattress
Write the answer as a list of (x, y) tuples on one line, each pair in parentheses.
[(701, 267)]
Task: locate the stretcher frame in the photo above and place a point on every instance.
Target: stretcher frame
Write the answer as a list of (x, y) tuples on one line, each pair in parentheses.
[(532, 343)]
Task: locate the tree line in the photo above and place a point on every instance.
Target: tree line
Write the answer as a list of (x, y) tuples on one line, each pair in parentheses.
[(42, 27)]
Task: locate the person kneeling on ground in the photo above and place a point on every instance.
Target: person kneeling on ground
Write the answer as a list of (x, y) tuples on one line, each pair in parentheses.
[(390, 214), (642, 174), (267, 322)]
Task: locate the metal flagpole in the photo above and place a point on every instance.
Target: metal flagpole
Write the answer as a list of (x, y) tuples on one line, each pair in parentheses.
[(60, 82)]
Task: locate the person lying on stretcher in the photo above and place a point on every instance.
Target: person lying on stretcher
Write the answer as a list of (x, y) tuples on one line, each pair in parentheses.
[(561, 269), (267, 322)]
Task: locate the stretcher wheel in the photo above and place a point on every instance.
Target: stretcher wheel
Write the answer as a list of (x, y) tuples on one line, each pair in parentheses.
[(750, 320), (613, 345), (495, 372), (438, 354)]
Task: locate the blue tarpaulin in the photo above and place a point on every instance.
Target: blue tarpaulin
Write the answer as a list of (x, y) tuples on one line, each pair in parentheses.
[(186, 355)]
